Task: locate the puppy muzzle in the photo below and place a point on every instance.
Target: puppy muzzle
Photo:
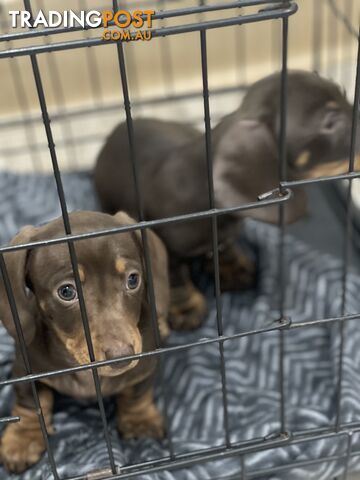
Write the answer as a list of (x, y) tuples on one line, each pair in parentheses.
[(118, 351)]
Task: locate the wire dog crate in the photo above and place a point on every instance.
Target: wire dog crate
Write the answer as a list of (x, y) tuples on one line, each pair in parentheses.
[(169, 23)]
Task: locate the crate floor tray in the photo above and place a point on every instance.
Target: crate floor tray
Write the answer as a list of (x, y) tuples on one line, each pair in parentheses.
[(313, 291)]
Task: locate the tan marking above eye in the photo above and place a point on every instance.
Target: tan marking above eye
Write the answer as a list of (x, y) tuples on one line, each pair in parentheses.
[(82, 273), (120, 265), (332, 104), (357, 162), (303, 159), (329, 169)]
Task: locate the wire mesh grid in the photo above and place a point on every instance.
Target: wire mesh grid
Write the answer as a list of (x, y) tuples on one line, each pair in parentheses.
[(265, 11)]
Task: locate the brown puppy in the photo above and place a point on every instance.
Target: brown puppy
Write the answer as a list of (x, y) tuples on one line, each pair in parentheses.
[(173, 176), (113, 280)]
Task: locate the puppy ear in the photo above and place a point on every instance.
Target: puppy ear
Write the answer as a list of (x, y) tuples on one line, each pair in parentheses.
[(124, 219), (160, 273), (246, 166), (159, 264), (24, 298)]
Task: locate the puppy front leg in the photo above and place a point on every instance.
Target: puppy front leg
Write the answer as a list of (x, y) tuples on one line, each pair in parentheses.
[(22, 443), (236, 270), (137, 414), (188, 306)]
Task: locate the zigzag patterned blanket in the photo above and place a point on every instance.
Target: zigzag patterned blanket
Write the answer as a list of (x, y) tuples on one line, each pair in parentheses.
[(313, 291)]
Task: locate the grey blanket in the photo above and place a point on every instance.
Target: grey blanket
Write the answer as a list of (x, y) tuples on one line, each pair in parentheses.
[(313, 291)]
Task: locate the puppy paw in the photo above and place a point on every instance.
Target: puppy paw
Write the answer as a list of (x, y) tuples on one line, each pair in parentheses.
[(236, 270), (164, 328), (188, 309), (237, 275), (20, 448), (132, 425)]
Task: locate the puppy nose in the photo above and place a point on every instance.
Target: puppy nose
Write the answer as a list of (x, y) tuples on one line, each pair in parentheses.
[(121, 350)]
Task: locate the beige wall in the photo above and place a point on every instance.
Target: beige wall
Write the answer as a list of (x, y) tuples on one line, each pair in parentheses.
[(259, 44), (235, 55)]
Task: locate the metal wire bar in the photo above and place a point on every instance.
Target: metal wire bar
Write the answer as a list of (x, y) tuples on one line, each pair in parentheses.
[(250, 447), (161, 32), (9, 420), (214, 228), (72, 253), (312, 434), (325, 321), (132, 68), (187, 460), (160, 351), (283, 102), (27, 365), (341, 327), (212, 455), (348, 454), (347, 236), (355, 114), (152, 223), (273, 326), (282, 177), (144, 238), (310, 181)]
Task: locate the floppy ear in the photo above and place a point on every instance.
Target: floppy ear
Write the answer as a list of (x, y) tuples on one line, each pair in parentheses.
[(24, 298), (246, 166), (159, 264), (160, 273)]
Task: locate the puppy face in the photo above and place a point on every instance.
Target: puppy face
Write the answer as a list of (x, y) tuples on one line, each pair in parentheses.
[(112, 278), (319, 127), (112, 282)]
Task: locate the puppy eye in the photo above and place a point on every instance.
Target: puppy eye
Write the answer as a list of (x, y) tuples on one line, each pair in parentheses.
[(67, 292), (330, 121), (133, 281)]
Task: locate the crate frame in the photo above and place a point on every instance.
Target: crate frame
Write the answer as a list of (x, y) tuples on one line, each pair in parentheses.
[(282, 11)]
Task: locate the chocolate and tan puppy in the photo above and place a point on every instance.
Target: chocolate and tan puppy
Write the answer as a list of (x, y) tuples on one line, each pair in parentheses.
[(111, 270), (173, 177)]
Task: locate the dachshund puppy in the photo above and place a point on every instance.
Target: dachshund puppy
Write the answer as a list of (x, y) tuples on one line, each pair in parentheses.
[(173, 175), (111, 270)]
